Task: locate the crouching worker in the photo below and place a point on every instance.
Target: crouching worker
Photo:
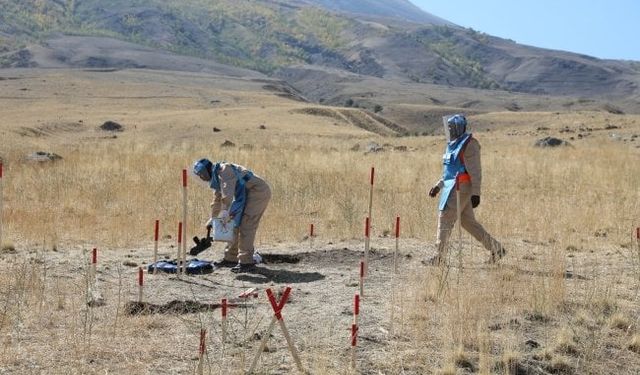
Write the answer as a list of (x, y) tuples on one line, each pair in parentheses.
[(240, 197), (461, 161)]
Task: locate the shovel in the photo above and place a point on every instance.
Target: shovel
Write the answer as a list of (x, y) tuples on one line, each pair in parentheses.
[(202, 244)]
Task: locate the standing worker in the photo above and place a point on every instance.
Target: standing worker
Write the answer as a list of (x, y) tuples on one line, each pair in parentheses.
[(241, 197), (461, 161)]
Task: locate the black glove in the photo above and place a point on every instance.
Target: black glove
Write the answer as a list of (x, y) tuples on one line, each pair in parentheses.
[(434, 191), (475, 201)]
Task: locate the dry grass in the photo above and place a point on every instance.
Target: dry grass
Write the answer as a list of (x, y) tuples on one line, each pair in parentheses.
[(569, 285)]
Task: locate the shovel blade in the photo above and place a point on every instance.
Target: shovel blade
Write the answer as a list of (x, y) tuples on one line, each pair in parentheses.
[(201, 245)]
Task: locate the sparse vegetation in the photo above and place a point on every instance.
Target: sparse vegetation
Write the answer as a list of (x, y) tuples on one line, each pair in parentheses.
[(529, 314)]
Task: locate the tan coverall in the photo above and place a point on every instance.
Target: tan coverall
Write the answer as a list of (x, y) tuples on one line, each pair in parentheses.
[(258, 196), (448, 216)]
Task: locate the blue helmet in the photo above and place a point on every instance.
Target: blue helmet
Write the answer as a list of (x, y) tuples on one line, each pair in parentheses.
[(457, 125), (202, 169)]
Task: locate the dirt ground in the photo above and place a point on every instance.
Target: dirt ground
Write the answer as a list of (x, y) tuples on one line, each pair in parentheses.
[(113, 337)]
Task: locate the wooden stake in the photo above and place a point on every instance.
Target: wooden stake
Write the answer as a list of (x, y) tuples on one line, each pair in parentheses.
[(184, 220), (201, 351), (459, 213), (369, 219), (179, 258), (395, 253), (277, 318), (367, 225), (638, 240), (393, 277), (94, 265), (371, 191), (354, 342), (1, 203), (223, 311), (362, 266), (311, 235), (140, 283), (356, 308), (155, 246)]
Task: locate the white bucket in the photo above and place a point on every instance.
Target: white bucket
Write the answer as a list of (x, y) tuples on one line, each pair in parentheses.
[(222, 231)]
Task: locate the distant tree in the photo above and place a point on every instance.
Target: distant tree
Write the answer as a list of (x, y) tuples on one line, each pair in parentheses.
[(377, 108), (348, 103)]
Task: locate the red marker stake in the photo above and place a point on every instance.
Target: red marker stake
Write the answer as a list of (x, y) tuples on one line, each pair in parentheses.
[(311, 235), (94, 264), (140, 283), (223, 311), (356, 308), (369, 219), (202, 350), (184, 220), (1, 203), (179, 257), (395, 254), (362, 266), (367, 226), (155, 246), (278, 318), (354, 342), (92, 267)]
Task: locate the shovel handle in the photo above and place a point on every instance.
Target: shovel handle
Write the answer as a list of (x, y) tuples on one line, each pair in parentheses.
[(208, 232)]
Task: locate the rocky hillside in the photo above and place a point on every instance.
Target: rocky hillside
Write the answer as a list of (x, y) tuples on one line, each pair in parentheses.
[(385, 39)]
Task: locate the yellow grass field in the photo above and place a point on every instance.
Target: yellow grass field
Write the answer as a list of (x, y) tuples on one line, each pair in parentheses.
[(564, 300)]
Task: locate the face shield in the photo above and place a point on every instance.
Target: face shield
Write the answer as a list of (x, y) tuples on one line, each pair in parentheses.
[(454, 126), (202, 170)]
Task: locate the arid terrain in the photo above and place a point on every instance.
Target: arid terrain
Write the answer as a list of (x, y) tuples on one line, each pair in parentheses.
[(565, 299)]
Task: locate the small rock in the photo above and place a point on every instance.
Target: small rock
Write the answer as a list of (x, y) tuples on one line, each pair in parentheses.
[(374, 147), (551, 142), (128, 263), (532, 344), (215, 130), (112, 126), (228, 143), (42, 156), (95, 298), (262, 127)]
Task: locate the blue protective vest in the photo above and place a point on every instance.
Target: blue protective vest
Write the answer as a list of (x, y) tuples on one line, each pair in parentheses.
[(452, 166), (239, 195)]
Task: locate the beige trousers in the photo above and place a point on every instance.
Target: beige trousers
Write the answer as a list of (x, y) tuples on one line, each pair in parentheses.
[(449, 215), (258, 196)]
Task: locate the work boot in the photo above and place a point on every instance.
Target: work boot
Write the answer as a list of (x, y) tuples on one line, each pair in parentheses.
[(497, 255), (225, 263), (243, 268), (435, 260)]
